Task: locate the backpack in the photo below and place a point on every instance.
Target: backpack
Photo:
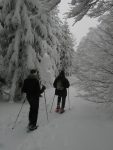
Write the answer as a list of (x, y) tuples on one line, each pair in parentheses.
[(59, 85)]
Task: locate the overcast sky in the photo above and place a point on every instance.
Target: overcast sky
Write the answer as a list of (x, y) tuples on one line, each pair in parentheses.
[(81, 28)]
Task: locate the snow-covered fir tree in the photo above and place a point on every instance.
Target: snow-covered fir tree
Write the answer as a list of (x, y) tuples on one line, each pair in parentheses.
[(23, 39), (30, 38), (18, 39), (67, 50), (53, 39), (47, 45)]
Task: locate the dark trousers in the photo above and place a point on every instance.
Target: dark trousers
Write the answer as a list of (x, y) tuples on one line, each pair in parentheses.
[(34, 107), (63, 98)]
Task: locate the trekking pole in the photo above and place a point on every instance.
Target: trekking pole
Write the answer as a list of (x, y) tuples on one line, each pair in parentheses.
[(18, 114), (68, 99), (52, 103), (46, 107)]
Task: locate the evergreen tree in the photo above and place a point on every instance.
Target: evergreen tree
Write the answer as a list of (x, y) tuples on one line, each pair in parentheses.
[(67, 51), (54, 38), (29, 34), (23, 39), (18, 40), (52, 48)]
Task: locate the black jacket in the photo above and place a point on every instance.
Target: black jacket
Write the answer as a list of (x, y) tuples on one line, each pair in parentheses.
[(31, 86), (65, 84)]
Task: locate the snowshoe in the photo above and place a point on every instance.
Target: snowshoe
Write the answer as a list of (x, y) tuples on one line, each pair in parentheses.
[(61, 111), (32, 128), (57, 109)]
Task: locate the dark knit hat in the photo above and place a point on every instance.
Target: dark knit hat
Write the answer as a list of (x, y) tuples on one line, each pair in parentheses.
[(32, 71), (62, 73)]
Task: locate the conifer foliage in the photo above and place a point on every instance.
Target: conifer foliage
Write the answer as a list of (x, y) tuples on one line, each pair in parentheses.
[(30, 32), (67, 51), (92, 8), (18, 39)]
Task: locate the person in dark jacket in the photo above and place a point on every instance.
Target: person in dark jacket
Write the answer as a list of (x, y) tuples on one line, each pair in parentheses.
[(33, 91), (61, 84)]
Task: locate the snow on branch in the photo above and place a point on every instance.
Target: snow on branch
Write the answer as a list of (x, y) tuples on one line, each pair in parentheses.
[(51, 4), (16, 17), (40, 28), (16, 46), (36, 7), (29, 37), (31, 57), (95, 8)]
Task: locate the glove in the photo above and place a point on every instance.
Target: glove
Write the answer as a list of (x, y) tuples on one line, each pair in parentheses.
[(43, 87), (40, 95)]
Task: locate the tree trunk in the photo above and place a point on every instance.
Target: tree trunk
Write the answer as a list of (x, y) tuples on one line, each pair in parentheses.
[(13, 86)]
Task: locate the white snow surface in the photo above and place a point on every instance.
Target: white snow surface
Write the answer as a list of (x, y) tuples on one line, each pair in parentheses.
[(84, 127)]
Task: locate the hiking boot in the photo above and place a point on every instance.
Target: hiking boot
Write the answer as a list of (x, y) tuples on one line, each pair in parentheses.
[(57, 109), (32, 127), (61, 110), (29, 125)]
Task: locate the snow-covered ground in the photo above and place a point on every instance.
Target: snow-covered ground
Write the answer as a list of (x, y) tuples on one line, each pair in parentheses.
[(84, 127)]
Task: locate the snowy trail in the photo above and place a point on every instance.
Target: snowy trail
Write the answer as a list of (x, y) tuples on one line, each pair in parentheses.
[(81, 129), (84, 127), (11, 139)]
